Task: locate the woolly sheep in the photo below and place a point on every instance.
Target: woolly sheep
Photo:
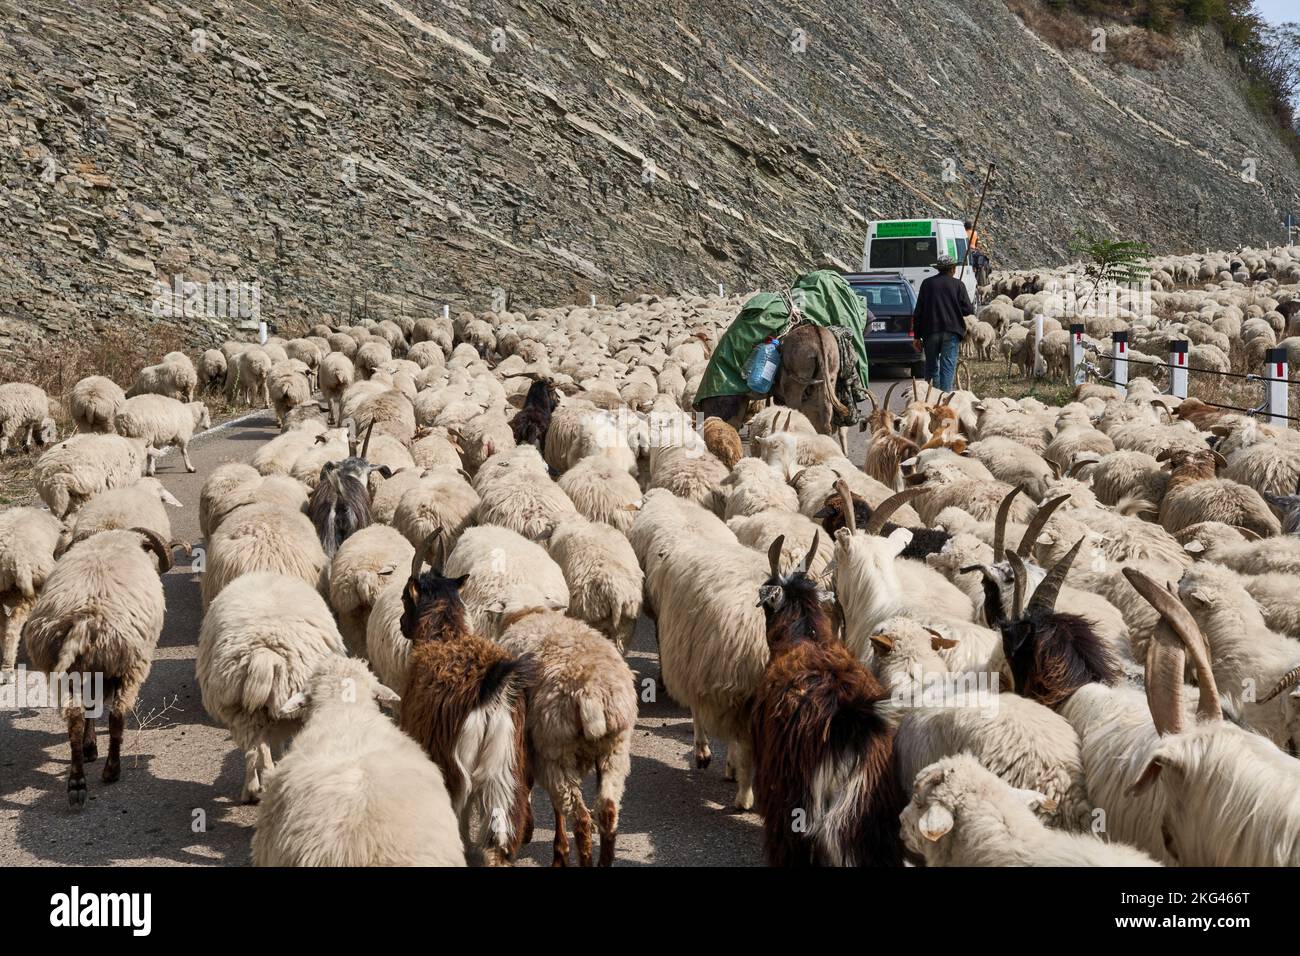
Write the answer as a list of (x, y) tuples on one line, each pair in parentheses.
[(507, 573), (602, 490), (100, 612), (580, 717), (140, 505), (355, 790), (25, 416), (94, 401), (365, 564), (263, 537), (260, 640), (602, 574), (29, 541), (173, 377), (160, 421), (962, 814), (70, 472)]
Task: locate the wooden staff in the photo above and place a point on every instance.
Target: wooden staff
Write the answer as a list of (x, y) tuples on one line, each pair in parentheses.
[(975, 223)]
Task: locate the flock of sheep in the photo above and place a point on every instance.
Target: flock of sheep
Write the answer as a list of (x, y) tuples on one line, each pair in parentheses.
[(1246, 303), (978, 645)]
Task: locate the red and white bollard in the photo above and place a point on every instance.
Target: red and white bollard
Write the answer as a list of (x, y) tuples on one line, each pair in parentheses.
[(1119, 361), (1275, 374), (1178, 368)]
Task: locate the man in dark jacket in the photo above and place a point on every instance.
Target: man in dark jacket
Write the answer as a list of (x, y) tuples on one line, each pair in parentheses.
[(940, 322)]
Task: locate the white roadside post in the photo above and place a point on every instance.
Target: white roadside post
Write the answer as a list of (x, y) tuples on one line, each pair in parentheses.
[(261, 332), (1076, 353), (721, 294), (1178, 368), (1275, 372), (593, 300), (1119, 361)]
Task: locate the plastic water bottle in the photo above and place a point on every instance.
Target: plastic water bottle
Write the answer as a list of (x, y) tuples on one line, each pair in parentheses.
[(764, 361)]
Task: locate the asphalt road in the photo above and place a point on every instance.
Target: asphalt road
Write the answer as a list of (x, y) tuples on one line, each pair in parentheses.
[(178, 800)]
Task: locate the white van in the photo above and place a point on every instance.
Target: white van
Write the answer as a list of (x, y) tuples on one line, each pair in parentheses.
[(910, 246)]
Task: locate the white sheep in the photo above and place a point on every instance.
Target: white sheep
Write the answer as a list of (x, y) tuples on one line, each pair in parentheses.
[(140, 505), (29, 540), (580, 717), (67, 474), (354, 790), (507, 573), (94, 402), (263, 537), (101, 612), (365, 564), (25, 416), (174, 377), (962, 814), (160, 421), (260, 640), (601, 489), (604, 579)]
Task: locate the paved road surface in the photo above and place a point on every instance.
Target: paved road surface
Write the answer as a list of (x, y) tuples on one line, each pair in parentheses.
[(178, 800)]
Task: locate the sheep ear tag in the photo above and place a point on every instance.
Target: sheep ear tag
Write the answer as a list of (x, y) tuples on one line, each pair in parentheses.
[(294, 704)]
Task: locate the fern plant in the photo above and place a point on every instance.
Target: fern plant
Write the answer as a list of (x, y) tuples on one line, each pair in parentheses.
[(1110, 261)]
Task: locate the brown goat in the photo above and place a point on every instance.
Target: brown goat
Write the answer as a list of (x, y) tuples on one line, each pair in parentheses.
[(1201, 415), (723, 441), (824, 774), (464, 703)]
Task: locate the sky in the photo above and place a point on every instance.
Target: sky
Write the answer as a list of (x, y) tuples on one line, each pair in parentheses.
[(1278, 11)]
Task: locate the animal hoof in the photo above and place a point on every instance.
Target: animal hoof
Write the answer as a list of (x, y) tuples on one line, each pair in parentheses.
[(112, 772), (191, 469), (251, 797), (702, 761), (77, 793), (90, 751)]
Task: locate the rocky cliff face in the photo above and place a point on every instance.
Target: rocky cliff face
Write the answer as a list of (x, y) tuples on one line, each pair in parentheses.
[(374, 156)]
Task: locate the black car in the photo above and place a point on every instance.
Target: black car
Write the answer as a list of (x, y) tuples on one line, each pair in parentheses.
[(889, 339)]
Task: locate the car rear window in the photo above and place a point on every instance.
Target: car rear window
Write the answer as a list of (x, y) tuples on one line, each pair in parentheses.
[(903, 253), (886, 299)]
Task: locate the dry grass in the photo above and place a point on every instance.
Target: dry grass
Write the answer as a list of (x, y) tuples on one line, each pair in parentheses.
[(1068, 30), (57, 366)]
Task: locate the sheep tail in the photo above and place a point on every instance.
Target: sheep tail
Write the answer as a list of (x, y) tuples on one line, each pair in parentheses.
[(260, 679), (75, 643), (23, 583), (591, 716), (1133, 506)]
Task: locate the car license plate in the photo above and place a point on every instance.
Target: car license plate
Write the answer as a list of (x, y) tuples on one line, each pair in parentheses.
[(877, 326)]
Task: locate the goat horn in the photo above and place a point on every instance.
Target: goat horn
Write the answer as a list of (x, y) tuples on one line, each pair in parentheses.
[(1286, 682), (1020, 575), (1182, 623), (846, 497), (812, 550), (182, 544), (882, 512), (916, 395), (422, 552), (1077, 465), (1000, 522), (875, 407), (889, 392), (158, 547), (774, 555), (1247, 533), (1037, 524), (1165, 455), (1165, 661), (1056, 469), (365, 445), (1044, 598)]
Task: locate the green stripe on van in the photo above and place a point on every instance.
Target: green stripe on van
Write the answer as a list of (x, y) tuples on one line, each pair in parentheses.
[(952, 248), (892, 230)]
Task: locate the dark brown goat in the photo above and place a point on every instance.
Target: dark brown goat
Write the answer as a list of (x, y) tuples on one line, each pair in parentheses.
[(533, 420), (1052, 654), (924, 540), (464, 703), (824, 774)]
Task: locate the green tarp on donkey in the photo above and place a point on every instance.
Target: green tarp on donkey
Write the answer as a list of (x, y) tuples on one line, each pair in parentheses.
[(824, 298)]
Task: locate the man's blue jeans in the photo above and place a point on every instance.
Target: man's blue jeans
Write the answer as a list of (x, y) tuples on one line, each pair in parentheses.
[(941, 359)]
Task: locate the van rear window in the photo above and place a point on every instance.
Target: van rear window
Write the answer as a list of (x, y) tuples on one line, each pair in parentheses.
[(903, 253)]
